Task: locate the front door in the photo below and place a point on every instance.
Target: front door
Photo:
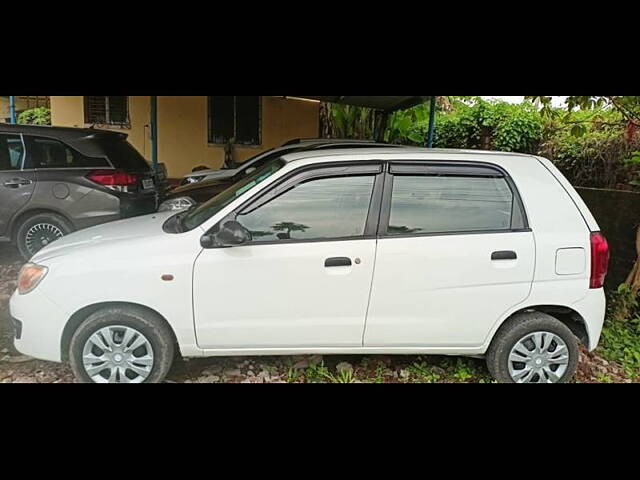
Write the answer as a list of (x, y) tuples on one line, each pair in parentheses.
[(304, 280), (454, 255), (16, 185)]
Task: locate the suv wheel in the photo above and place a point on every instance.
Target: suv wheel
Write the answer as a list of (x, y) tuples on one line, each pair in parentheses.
[(40, 230), (533, 347), (121, 345)]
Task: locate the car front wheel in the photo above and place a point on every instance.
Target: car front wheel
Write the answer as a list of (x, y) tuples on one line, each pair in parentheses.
[(533, 347), (122, 344)]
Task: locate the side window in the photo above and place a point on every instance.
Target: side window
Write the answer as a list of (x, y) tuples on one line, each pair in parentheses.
[(49, 153), (324, 208), (441, 204), (11, 152)]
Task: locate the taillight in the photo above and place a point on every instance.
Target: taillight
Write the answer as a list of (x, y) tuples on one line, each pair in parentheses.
[(599, 260), (114, 179)]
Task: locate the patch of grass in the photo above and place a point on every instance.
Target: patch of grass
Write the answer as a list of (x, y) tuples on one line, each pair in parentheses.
[(621, 344), (422, 372), (343, 376), (381, 370), (604, 378), (316, 373), (464, 370), (620, 341), (293, 375)]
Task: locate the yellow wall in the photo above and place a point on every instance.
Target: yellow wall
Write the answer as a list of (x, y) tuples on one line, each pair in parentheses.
[(22, 103), (182, 128)]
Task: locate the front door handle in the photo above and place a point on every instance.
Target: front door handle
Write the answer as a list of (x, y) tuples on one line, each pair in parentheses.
[(504, 255), (17, 182), (337, 262)]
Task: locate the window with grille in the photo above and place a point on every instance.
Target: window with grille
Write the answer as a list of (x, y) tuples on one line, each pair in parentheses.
[(237, 118), (109, 110)]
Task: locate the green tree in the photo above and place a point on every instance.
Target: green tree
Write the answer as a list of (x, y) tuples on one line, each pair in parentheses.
[(35, 116)]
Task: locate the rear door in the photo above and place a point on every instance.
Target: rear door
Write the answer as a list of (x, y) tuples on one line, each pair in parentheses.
[(454, 254), (16, 184)]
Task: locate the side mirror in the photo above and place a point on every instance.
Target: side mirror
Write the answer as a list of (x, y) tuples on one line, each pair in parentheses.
[(231, 234)]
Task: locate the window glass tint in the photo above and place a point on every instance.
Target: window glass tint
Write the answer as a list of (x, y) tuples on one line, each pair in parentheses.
[(322, 208), (124, 155), (11, 152), (50, 153), (425, 204), (112, 110), (235, 119)]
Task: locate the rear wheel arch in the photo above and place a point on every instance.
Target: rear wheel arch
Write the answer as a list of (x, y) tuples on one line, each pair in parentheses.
[(566, 315), (81, 315)]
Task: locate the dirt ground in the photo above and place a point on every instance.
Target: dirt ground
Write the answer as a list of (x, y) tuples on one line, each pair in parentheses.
[(16, 368)]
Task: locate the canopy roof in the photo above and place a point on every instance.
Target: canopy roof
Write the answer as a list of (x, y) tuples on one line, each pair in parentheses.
[(388, 104)]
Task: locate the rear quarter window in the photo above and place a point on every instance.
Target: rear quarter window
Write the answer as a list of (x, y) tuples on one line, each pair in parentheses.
[(123, 155), (451, 204), (49, 153)]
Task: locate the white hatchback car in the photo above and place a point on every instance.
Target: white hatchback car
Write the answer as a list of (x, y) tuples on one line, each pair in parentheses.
[(383, 251)]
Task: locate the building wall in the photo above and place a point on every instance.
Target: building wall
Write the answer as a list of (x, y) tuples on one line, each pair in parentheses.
[(182, 127), (22, 103)]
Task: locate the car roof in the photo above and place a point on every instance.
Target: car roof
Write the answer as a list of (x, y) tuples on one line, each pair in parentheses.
[(298, 141), (63, 133), (337, 155)]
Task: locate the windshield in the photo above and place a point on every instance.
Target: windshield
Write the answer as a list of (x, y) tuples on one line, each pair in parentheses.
[(196, 217)]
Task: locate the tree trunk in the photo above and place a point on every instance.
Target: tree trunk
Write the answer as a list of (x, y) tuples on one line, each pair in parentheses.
[(633, 280)]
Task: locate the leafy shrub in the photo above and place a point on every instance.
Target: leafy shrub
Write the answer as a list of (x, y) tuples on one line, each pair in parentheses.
[(621, 343), (472, 124), (591, 148), (620, 340), (35, 116)]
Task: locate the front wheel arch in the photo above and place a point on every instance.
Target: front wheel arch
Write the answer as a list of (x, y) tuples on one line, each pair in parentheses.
[(81, 315)]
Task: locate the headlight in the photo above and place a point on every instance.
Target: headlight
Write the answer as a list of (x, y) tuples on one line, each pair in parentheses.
[(30, 276), (194, 179), (176, 204)]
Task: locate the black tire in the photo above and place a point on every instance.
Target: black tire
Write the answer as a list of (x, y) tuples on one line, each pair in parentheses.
[(140, 319), (51, 221), (517, 328)]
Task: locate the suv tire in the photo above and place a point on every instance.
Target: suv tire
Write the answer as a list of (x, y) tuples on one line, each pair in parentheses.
[(39, 230), (547, 347)]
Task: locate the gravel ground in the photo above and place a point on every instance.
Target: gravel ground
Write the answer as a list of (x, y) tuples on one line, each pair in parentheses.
[(15, 368)]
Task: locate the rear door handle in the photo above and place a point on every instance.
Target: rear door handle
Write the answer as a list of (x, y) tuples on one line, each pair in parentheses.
[(337, 262), (17, 182), (504, 255)]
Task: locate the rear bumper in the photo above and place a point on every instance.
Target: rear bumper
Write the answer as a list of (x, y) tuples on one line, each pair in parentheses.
[(592, 308)]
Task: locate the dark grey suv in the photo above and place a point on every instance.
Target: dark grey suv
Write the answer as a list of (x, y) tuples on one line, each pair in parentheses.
[(56, 180)]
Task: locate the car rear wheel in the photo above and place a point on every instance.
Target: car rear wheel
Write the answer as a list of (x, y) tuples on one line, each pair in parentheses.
[(121, 345), (38, 231), (533, 347)]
